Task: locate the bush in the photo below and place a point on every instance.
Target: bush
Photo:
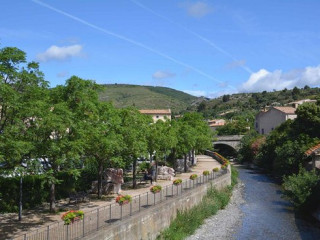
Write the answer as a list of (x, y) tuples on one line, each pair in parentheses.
[(215, 169), (298, 187), (34, 192), (206, 173)]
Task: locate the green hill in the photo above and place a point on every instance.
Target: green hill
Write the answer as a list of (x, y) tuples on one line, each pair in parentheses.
[(146, 97), (228, 106)]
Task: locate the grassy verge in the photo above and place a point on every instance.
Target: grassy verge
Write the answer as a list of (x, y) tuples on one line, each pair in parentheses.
[(187, 222)]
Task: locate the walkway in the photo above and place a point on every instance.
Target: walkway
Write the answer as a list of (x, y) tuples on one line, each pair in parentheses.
[(34, 219)]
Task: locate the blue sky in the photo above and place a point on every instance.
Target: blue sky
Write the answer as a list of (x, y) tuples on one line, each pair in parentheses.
[(205, 48)]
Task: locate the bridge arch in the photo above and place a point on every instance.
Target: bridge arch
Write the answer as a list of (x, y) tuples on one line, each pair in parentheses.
[(233, 141)]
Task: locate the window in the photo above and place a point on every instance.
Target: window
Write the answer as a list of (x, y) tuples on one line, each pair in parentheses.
[(262, 130)]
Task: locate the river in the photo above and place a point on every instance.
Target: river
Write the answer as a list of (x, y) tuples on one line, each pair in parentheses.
[(257, 211), (266, 215)]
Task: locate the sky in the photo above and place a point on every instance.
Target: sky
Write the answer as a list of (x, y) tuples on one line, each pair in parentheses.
[(205, 48)]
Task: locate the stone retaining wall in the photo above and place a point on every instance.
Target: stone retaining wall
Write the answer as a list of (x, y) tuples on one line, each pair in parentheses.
[(150, 222)]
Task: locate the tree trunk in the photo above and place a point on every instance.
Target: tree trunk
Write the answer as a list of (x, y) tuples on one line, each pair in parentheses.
[(190, 158), (175, 164), (20, 200), (185, 163), (193, 157), (52, 198), (134, 175), (156, 172), (100, 173)]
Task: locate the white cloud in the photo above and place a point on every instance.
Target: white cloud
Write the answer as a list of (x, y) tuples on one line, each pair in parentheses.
[(60, 53), (197, 9), (264, 80), (162, 75)]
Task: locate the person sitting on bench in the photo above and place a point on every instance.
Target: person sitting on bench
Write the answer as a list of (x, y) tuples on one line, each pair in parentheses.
[(147, 176)]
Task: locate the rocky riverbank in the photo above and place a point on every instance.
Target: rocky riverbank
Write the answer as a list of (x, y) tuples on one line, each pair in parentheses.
[(226, 222)]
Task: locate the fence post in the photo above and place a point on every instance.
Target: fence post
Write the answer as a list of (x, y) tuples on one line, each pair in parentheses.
[(154, 199), (166, 192), (97, 218), (147, 199), (139, 203), (121, 211), (110, 215), (83, 225), (67, 232), (25, 236), (130, 208), (48, 234)]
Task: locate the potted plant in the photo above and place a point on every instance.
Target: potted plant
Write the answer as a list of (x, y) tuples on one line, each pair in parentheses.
[(121, 200), (215, 169), (156, 189), (177, 181), (206, 173), (193, 176), (72, 216)]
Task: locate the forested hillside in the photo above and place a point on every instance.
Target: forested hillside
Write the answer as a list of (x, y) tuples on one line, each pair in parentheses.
[(228, 106), (124, 95)]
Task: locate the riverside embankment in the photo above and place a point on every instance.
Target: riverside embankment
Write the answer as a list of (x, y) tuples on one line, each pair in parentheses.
[(257, 211)]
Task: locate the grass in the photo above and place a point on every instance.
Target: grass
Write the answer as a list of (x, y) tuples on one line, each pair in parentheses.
[(187, 222)]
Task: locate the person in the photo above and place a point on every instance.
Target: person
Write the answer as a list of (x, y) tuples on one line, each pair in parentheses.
[(147, 176)]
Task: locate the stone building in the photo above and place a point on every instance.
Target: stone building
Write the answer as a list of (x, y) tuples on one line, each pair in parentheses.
[(267, 120)]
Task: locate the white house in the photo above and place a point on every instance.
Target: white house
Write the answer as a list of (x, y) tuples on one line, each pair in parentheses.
[(267, 120), (157, 114)]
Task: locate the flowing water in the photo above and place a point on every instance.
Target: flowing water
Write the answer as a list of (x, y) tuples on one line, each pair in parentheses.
[(268, 216)]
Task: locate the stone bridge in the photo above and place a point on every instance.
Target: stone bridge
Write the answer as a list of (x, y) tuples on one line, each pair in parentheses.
[(231, 140)]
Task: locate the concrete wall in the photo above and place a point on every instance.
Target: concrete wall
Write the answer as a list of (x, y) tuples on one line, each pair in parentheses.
[(149, 223)]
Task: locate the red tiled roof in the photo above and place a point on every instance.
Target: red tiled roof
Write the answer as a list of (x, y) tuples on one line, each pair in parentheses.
[(156, 111), (312, 150), (287, 110)]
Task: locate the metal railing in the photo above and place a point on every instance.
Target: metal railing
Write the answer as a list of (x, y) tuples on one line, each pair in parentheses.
[(107, 215)]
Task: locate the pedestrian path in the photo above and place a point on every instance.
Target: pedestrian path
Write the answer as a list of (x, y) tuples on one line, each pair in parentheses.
[(35, 219)]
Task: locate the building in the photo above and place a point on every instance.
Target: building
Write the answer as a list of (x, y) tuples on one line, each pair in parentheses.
[(297, 103), (267, 120), (314, 152), (157, 114), (214, 123)]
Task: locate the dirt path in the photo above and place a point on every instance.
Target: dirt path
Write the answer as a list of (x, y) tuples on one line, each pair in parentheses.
[(40, 217)]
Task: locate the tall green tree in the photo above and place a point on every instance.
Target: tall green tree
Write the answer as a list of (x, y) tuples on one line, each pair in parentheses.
[(133, 130), (22, 90)]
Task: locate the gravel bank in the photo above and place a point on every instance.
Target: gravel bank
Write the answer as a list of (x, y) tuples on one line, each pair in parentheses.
[(226, 222)]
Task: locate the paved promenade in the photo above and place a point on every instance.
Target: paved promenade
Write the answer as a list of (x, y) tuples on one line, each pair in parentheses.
[(40, 217)]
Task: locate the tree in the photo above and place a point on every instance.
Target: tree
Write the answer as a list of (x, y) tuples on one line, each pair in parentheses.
[(133, 130), (161, 138), (226, 98), (22, 89), (103, 140)]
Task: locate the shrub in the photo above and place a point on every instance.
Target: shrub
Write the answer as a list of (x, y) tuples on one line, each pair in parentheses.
[(72, 216), (123, 199), (298, 187), (177, 181), (193, 176), (215, 169), (223, 167), (206, 173), (156, 189)]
